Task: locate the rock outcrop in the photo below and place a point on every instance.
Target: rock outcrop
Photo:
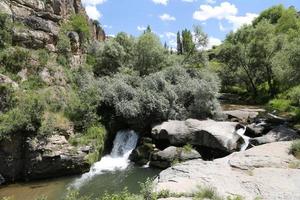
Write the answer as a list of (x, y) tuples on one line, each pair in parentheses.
[(40, 21), (171, 155), (207, 133), (280, 133), (36, 158), (263, 171)]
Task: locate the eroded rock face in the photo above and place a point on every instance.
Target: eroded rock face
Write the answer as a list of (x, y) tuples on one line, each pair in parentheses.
[(36, 158), (262, 171), (206, 133)]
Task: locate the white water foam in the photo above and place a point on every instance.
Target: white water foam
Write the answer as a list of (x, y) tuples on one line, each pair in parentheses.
[(123, 145), (241, 132)]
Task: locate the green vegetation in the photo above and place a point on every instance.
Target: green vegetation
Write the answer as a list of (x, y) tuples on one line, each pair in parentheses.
[(295, 149), (187, 148), (207, 193), (6, 30)]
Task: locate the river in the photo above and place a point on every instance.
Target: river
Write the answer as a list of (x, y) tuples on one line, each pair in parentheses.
[(111, 174)]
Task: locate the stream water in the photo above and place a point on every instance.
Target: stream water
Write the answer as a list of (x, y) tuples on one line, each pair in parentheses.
[(111, 174)]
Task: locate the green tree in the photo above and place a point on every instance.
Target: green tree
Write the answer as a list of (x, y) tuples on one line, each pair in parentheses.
[(179, 44), (188, 45), (150, 54)]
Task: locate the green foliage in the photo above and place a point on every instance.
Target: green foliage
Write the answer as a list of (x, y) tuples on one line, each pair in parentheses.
[(187, 42), (293, 95), (281, 105), (74, 195), (24, 117), (272, 14), (62, 60), (295, 149), (63, 45), (43, 56), (110, 59), (206, 193), (6, 25), (14, 59), (174, 93), (33, 82), (150, 56), (147, 190), (6, 97), (94, 136), (124, 195), (187, 148), (79, 23), (236, 197)]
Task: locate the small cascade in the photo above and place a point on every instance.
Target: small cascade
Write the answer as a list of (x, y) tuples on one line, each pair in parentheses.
[(123, 145), (241, 132)]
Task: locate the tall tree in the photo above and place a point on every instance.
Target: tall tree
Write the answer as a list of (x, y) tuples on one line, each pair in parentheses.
[(179, 44), (188, 45)]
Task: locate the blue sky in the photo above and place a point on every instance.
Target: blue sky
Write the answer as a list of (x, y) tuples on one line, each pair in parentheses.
[(166, 17)]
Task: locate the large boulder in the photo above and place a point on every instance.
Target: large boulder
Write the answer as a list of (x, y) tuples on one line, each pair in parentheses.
[(243, 115), (171, 155), (280, 133), (24, 158), (207, 133), (141, 155), (263, 171), (53, 156)]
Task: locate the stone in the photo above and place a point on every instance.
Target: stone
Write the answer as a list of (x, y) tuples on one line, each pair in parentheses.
[(262, 171), (206, 133), (41, 24), (5, 8), (30, 38), (243, 115), (141, 154), (167, 157), (6, 80), (280, 133)]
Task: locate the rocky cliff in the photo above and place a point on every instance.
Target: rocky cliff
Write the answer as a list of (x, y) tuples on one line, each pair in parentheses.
[(43, 19), (37, 26)]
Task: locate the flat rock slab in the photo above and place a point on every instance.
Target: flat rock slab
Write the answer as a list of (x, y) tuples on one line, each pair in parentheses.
[(262, 171)]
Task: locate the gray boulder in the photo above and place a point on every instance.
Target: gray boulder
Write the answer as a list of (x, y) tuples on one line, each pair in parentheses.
[(206, 133), (243, 115), (280, 133), (171, 155), (263, 171)]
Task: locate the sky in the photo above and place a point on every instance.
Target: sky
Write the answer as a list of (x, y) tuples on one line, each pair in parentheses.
[(166, 17)]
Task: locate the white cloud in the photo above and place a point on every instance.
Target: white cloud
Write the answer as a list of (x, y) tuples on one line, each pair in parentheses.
[(222, 28), (92, 2), (212, 41), (238, 21), (107, 26), (93, 13), (189, 1), (170, 35), (167, 17), (162, 2), (211, 1), (225, 11), (141, 28), (218, 12)]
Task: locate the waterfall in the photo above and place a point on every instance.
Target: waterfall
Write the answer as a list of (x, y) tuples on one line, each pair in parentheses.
[(123, 145), (241, 132)]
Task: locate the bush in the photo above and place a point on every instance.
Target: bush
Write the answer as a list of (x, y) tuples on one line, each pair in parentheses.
[(206, 193), (281, 105), (14, 59), (187, 148), (63, 44), (295, 149), (6, 97), (54, 123), (24, 117), (6, 30), (33, 82), (294, 95), (43, 56), (174, 93), (79, 23)]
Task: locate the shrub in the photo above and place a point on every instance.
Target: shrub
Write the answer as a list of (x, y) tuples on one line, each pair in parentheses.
[(187, 148), (25, 116), (79, 23), (33, 82), (63, 44), (54, 122), (94, 136), (6, 97), (174, 93), (6, 30), (206, 193), (281, 105), (294, 95), (43, 57), (295, 149), (62, 60), (14, 59)]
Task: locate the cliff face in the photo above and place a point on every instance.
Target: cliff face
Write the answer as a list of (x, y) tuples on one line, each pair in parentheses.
[(43, 19)]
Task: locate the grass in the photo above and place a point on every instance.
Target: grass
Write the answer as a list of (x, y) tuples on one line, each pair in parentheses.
[(207, 193), (187, 148), (295, 149)]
